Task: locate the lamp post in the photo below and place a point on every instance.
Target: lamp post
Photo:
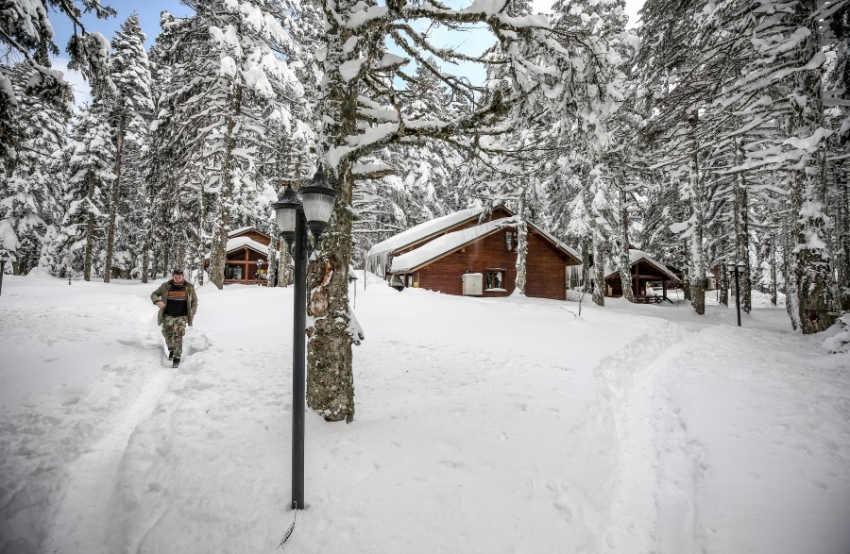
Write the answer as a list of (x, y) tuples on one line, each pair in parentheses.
[(259, 269), (3, 258), (294, 217), (736, 269)]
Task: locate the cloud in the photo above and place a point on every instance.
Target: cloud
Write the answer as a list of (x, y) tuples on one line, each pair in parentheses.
[(82, 90)]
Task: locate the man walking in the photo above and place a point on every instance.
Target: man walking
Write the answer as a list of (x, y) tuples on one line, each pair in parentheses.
[(177, 304)]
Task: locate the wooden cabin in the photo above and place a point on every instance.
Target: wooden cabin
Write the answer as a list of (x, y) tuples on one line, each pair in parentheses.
[(646, 272), (246, 247), (464, 257), (379, 257)]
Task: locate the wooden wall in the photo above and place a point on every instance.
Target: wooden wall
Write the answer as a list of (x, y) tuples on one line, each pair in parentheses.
[(547, 273)]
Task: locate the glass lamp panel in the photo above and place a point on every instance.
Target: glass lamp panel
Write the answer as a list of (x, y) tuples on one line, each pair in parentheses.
[(318, 206), (286, 219)]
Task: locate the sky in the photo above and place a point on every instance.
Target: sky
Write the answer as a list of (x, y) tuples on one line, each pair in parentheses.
[(150, 10)]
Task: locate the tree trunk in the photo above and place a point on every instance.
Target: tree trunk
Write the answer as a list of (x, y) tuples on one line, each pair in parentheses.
[(274, 265), (522, 249), (87, 266), (585, 265), (723, 286), (742, 237), (623, 246), (697, 277), (330, 377), (599, 281), (218, 255), (842, 232), (113, 202), (787, 263), (813, 261), (773, 275)]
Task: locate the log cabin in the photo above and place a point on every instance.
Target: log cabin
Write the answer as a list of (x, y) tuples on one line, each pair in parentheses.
[(245, 247), (645, 271), (460, 254)]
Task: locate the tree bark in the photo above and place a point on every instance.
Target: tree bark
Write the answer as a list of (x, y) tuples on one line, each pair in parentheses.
[(742, 237), (623, 246), (773, 274), (697, 277), (87, 265), (218, 255), (585, 265), (113, 201), (522, 249), (813, 261), (599, 281), (330, 377)]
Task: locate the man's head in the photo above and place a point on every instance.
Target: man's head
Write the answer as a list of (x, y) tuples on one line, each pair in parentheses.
[(177, 276)]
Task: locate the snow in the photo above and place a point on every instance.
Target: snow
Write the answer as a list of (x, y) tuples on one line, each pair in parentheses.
[(483, 425), (239, 242), (446, 243), (419, 232), (350, 69)]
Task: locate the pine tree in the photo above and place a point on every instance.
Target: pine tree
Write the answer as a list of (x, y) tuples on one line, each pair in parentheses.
[(91, 159), (26, 31), (130, 112), (30, 206)]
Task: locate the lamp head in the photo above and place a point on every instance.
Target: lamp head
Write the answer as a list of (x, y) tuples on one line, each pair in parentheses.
[(319, 201), (286, 211)]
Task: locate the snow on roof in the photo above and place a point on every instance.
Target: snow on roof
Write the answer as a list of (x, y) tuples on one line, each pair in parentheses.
[(239, 242), (422, 231), (445, 244), (637, 255), (243, 229)]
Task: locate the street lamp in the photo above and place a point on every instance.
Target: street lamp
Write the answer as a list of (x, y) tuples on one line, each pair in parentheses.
[(294, 217), (4, 257), (736, 269)]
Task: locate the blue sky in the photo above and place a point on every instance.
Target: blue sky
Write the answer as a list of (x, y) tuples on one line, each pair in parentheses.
[(149, 10)]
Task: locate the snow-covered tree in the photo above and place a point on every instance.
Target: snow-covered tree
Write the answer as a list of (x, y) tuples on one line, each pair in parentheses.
[(130, 109), (30, 192), (25, 30)]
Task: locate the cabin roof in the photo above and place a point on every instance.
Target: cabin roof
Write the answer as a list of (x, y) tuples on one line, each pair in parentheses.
[(241, 230), (241, 242), (638, 255), (422, 231), (445, 244), (456, 240)]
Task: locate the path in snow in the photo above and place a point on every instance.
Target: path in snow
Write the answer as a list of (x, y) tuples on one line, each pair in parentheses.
[(79, 526)]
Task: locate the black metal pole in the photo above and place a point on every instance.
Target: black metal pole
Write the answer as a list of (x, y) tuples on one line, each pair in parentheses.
[(738, 296), (2, 271), (299, 359)]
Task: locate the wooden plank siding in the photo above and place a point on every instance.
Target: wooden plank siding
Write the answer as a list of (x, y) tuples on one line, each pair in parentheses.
[(546, 278)]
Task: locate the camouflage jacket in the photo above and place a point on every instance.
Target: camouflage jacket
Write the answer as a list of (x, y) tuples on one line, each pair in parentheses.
[(161, 295)]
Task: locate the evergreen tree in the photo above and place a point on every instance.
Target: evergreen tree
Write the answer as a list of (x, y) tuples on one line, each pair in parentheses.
[(30, 194)]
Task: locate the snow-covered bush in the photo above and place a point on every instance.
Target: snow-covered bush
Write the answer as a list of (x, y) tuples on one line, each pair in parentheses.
[(839, 342)]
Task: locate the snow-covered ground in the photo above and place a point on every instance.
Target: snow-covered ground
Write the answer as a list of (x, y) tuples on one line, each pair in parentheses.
[(482, 426)]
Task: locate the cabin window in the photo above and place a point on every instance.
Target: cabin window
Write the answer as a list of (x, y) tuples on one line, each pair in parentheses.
[(495, 279), (511, 241)]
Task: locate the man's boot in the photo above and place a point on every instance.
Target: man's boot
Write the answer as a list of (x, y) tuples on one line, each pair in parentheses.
[(176, 362)]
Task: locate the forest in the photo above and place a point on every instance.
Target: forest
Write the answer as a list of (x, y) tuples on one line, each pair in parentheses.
[(713, 132)]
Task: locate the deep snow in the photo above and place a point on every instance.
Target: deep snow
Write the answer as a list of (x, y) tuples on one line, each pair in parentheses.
[(482, 425)]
